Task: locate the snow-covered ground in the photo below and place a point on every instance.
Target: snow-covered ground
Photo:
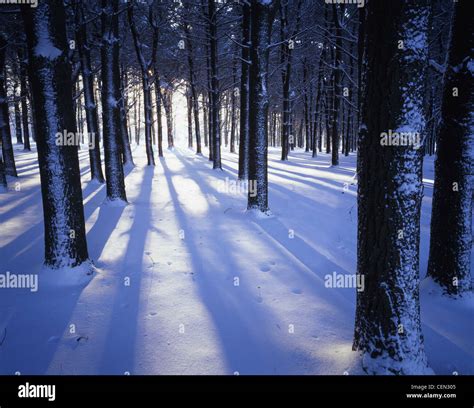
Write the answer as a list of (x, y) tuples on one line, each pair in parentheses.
[(189, 283)]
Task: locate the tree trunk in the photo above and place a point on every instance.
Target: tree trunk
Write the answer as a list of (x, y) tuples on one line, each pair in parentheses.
[(127, 157), (451, 220), (261, 15), (158, 113), (387, 327), (24, 99), (337, 89), (91, 107), (50, 76), (5, 132), (215, 94), (3, 178), (189, 105), (111, 117), (146, 86), (167, 103), (16, 106), (244, 94)]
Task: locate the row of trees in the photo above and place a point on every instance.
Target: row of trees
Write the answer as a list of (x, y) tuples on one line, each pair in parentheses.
[(319, 73)]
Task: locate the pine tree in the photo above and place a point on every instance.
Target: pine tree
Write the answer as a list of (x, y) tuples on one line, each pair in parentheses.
[(5, 131), (262, 13), (24, 98), (215, 94), (244, 94), (451, 220), (90, 104), (110, 102), (50, 77), (387, 327)]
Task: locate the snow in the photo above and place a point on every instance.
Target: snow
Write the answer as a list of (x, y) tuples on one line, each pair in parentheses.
[(186, 282), (44, 48)]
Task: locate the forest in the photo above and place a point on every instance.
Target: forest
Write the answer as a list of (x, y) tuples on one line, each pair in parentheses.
[(236, 187)]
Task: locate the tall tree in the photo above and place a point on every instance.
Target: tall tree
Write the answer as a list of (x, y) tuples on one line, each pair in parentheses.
[(337, 88), (146, 73), (287, 46), (110, 101), (24, 98), (262, 14), (451, 220), (5, 131), (50, 77), (215, 94), (90, 105), (193, 97), (244, 93), (387, 327)]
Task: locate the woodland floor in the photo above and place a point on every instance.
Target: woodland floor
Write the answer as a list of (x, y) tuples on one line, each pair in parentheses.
[(182, 242)]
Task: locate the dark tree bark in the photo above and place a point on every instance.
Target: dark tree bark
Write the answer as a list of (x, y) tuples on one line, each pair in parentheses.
[(16, 107), (24, 99), (50, 78), (110, 102), (125, 136), (215, 94), (5, 131), (167, 96), (189, 105), (233, 107), (244, 94), (92, 118), (451, 220), (337, 89), (387, 327), (145, 67), (286, 60), (262, 14), (158, 97), (3, 178), (193, 84)]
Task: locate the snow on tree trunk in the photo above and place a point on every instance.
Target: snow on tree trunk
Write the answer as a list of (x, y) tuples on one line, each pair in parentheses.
[(215, 101), (189, 106), (337, 89), (89, 97), (451, 220), (16, 107), (168, 105), (24, 98), (110, 102), (387, 327), (127, 157), (50, 77), (5, 131), (258, 107), (3, 178), (146, 85), (158, 113), (194, 97), (244, 92)]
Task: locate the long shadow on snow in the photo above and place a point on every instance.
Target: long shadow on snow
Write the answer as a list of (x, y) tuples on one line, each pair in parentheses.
[(119, 355), (218, 299)]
